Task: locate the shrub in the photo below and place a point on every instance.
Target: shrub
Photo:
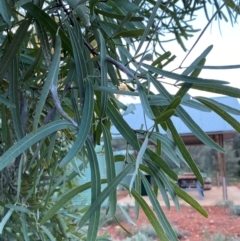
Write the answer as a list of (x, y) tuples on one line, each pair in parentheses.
[(179, 232), (235, 210), (218, 237), (149, 232), (137, 237), (225, 204)]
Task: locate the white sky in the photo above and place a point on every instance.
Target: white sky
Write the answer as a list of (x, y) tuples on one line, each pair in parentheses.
[(226, 51)]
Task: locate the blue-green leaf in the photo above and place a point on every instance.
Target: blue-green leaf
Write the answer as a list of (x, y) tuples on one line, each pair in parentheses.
[(191, 201), (85, 125), (43, 18), (104, 80), (104, 194), (224, 107), (51, 78), (4, 101), (110, 166), (188, 158), (122, 126), (14, 97), (217, 109), (150, 215), (160, 214), (30, 140), (186, 118), (139, 161), (185, 78), (13, 47), (95, 191)]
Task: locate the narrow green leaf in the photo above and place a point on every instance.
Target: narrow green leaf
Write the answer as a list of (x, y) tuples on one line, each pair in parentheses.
[(79, 60), (14, 97), (104, 80), (188, 158), (24, 227), (149, 213), (4, 12), (122, 126), (164, 116), (196, 62), (228, 118), (48, 233), (116, 91), (227, 108), (5, 219), (110, 166), (218, 89), (5, 134), (19, 178), (158, 160), (104, 194), (117, 16), (51, 78), (162, 190), (62, 226), (150, 22), (219, 67), (171, 151), (188, 121), (196, 105), (159, 174), (4, 101), (63, 200), (125, 6), (43, 18), (45, 45), (143, 97), (191, 201), (95, 191), (161, 58), (134, 33), (125, 213), (139, 160), (186, 86), (30, 140), (85, 125), (138, 188), (174, 104), (157, 208), (197, 131), (185, 78), (179, 40), (13, 47)]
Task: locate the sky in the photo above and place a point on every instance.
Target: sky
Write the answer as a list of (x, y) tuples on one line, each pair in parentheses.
[(226, 51)]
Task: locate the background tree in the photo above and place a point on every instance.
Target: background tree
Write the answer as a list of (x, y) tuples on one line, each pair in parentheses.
[(61, 64)]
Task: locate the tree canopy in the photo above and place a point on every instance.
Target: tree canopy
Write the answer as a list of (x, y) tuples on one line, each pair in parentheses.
[(62, 65)]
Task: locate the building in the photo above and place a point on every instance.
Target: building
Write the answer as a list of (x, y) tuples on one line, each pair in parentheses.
[(212, 124)]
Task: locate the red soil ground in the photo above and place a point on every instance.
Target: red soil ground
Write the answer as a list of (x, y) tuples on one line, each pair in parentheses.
[(195, 226)]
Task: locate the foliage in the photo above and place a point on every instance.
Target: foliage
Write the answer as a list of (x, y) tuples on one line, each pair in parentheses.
[(218, 237), (121, 215), (225, 204), (61, 64), (148, 233), (137, 237), (235, 210)]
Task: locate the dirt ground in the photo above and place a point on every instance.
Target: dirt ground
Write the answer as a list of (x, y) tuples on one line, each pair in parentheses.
[(194, 226)]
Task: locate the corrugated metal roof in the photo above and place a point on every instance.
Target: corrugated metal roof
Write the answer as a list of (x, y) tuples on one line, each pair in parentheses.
[(209, 122)]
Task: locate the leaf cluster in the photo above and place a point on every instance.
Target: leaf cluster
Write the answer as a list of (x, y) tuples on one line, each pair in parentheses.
[(61, 65)]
